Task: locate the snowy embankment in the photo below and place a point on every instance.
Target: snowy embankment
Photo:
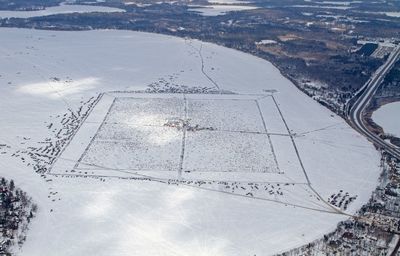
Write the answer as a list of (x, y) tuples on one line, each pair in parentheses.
[(49, 83)]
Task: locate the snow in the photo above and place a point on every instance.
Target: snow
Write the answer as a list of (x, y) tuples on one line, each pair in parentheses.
[(387, 117), (136, 153), (227, 2), (392, 14), (393, 243), (47, 76), (266, 42), (230, 115), (62, 9), (339, 7), (225, 129), (339, 2), (215, 10), (154, 112), (231, 152)]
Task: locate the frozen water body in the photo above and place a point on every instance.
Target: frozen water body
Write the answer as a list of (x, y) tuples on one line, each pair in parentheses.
[(62, 9), (387, 116), (51, 111)]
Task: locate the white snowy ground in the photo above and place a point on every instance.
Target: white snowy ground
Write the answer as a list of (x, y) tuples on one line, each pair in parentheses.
[(216, 10), (387, 117), (62, 9), (89, 216), (227, 2), (222, 7)]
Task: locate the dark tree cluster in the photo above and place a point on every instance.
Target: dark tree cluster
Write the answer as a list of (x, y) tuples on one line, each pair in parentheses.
[(16, 211), (24, 5)]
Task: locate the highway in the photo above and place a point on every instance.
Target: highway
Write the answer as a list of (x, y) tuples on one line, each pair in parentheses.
[(355, 111)]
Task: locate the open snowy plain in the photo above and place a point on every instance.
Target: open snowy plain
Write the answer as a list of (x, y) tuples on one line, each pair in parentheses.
[(61, 9), (142, 144), (382, 116)]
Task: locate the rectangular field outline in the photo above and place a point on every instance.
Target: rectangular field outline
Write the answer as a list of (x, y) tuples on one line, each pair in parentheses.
[(185, 99), (232, 97)]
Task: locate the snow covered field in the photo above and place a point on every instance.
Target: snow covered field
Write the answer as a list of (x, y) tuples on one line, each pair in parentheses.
[(387, 117), (170, 135), (215, 10), (222, 7), (227, 2), (62, 9), (56, 90), (392, 14)]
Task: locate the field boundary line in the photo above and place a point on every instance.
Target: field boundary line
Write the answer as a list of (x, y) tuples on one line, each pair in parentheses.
[(95, 135), (99, 97)]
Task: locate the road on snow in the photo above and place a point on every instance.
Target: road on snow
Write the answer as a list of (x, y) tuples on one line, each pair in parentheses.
[(356, 111)]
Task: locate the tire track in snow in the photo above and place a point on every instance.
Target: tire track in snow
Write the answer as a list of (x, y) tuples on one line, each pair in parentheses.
[(301, 162), (203, 71)]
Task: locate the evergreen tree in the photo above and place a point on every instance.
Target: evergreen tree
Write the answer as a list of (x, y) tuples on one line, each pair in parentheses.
[(12, 186)]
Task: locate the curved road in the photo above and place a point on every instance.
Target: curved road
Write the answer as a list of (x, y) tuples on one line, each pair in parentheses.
[(356, 111)]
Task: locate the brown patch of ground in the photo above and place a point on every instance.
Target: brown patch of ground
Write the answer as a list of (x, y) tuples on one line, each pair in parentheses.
[(278, 50), (289, 37)]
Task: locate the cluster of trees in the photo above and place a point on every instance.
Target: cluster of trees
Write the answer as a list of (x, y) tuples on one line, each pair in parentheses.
[(27, 5), (16, 211)]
